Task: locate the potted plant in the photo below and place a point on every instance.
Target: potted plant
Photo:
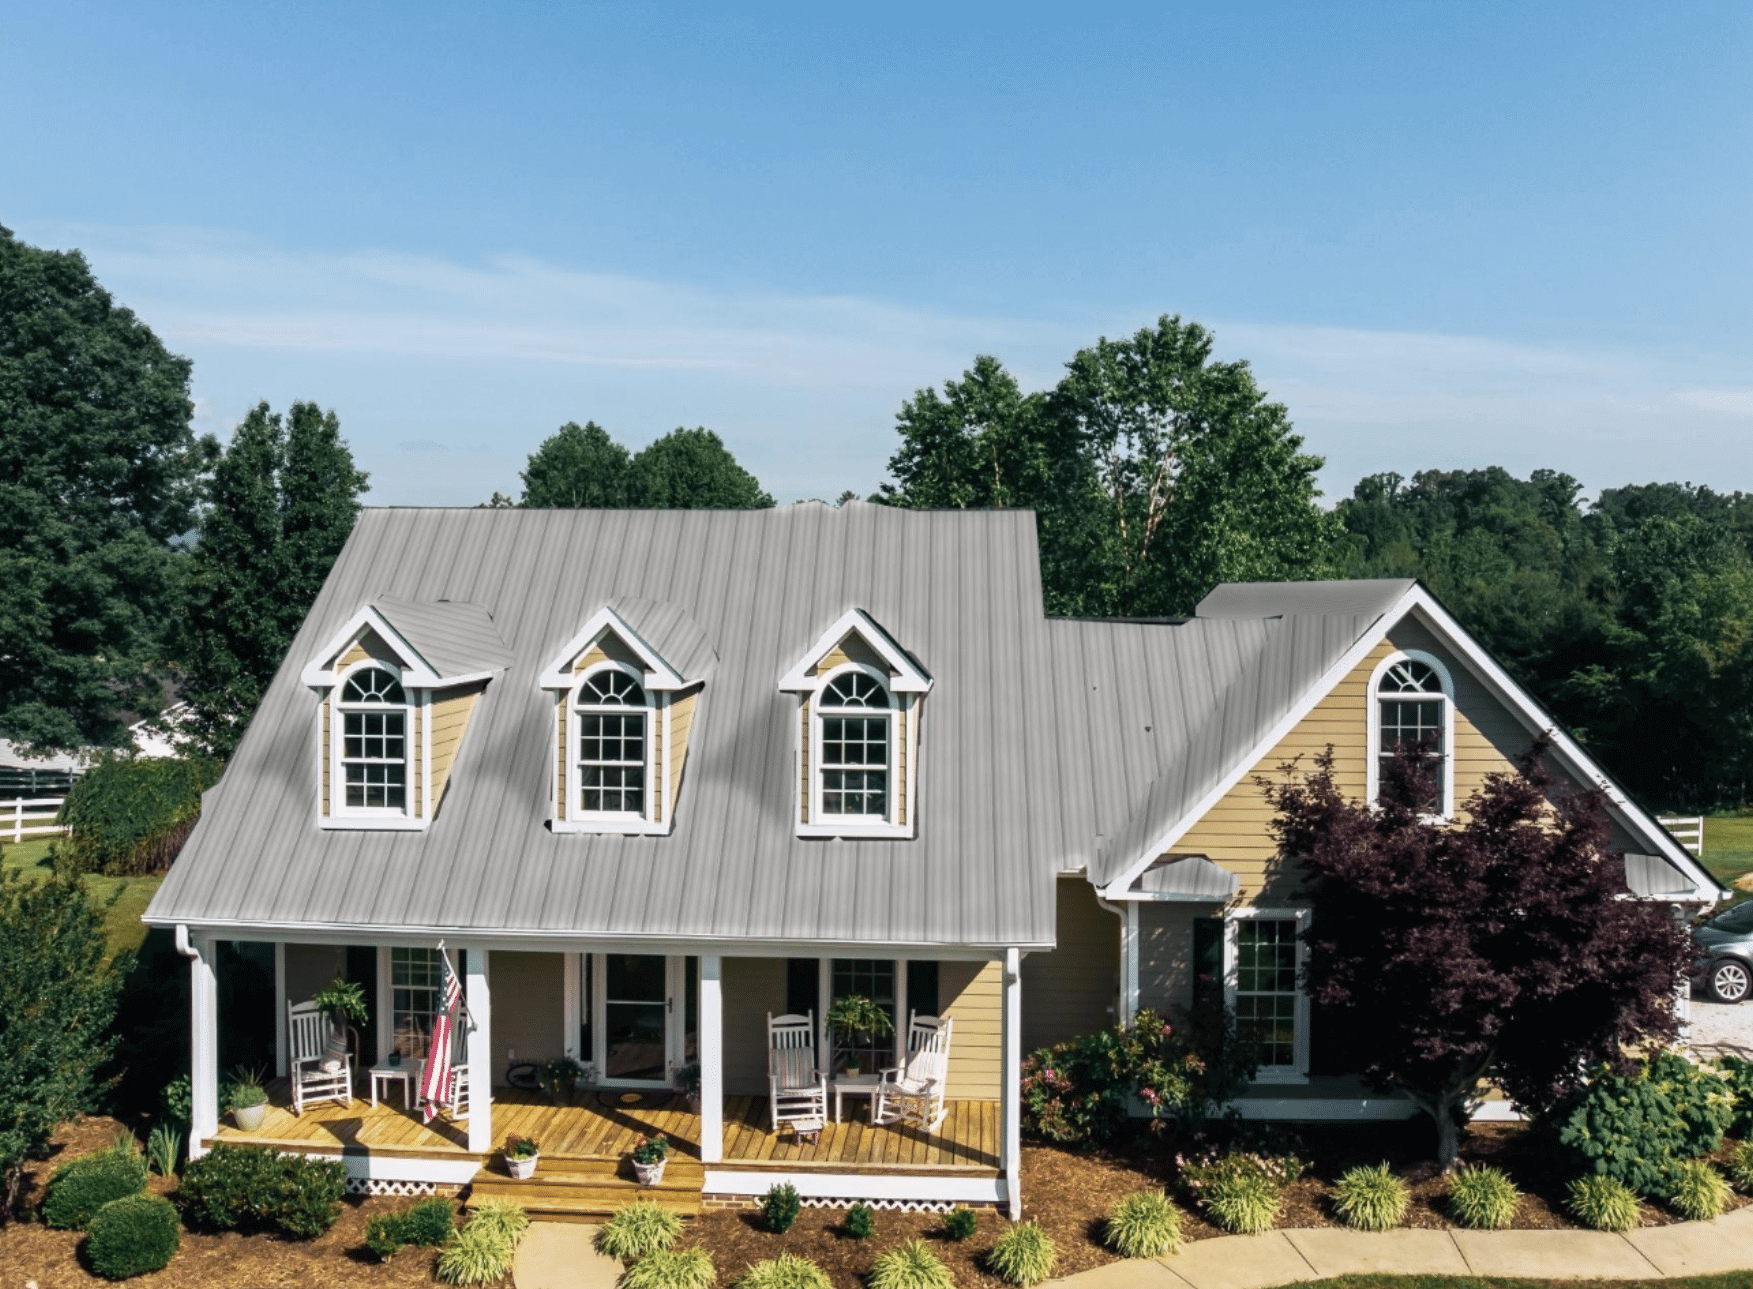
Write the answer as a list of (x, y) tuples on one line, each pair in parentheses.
[(853, 1016), (559, 1077), (649, 1157), (344, 1001), (249, 1099), (687, 1081), (521, 1154)]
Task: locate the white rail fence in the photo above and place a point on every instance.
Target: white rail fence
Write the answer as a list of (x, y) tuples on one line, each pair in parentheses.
[(1688, 830), (31, 818)]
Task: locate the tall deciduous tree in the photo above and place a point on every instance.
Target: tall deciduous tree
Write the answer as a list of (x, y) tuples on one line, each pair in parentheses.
[(693, 470), (57, 997), (579, 466), (281, 503), (98, 474), (1502, 946)]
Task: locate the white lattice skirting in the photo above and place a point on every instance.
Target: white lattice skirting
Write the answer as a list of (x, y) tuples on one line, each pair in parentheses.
[(389, 1186)]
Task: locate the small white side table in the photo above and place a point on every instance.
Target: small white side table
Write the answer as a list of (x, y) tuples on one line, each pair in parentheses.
[(403, 1074), (855, 1085)]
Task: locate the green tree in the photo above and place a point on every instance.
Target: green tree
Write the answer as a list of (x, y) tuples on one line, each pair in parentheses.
[(579, 466), (57, 998), (693, 470), (98, 476), (282, 500)]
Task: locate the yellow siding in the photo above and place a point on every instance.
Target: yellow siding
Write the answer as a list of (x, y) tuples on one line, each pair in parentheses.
[(681, 726), (657, 802), (900, 784), (803, 762), (1072, 989), (752, 988), (851, 648), (368, 645), (560, 760), (976, 994), (528, 1016), (325, 739), (608, 647), (1165, 954), (1235, 832), (450, 720), (416, 761)]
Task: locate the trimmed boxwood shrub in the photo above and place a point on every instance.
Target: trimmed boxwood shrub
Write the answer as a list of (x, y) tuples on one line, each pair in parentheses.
[(81, 1187), (131, 815), (133, 1235), (1637, 1127), (252, 1188)]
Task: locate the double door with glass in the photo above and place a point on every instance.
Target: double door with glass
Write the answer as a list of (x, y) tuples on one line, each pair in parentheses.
[(639, 1025)]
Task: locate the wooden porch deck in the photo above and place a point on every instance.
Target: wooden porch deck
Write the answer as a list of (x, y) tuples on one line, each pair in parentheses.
[(608, 1124)]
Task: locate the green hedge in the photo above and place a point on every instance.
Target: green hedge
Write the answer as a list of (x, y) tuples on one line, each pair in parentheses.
[(83, 1186), (132, 1236), (1638, 1127), (131, 815), (251, 1188)]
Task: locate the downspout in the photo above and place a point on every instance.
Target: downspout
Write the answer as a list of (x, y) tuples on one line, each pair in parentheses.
[(1127, 912)]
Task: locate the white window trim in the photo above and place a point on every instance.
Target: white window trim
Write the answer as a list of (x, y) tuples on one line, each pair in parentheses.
[(1373, 749), (339, 815), (657, 717), (1298, 1071), (862, 825)]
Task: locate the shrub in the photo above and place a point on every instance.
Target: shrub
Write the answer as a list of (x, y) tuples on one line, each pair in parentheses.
[(959, 1223), (1741, 1166), (1738, 1075), (1699, 1191), (252, 1188), (508, 1220), (133, 1235), (1603, 1202), (164, 1148), (1242, 1204), (860, 1221), (671, 1269), (1636, 1127), (482, 1252), (1024, 1255), (1083, 1090), (1144, 1225), (779, 1208), (1483, 1198), (78, 1189), (638, 1229), (130, 815), (430, 1222), (787, 1271), (383, 1235), (1371, 1199), (912, 1266)]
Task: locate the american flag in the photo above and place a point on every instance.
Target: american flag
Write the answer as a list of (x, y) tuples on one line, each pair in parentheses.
[(435, 1087)]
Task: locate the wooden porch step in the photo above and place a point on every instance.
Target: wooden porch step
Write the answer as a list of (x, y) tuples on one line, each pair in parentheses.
[(588, 1189)]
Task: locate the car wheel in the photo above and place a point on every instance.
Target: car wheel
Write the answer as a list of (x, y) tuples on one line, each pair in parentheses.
[(1730, 981)]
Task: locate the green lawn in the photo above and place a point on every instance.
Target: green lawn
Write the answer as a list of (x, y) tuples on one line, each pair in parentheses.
[(130, 894), (1733, 1280), (1728, 846)]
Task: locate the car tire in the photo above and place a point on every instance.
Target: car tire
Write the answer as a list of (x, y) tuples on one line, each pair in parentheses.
[(1730, 980)]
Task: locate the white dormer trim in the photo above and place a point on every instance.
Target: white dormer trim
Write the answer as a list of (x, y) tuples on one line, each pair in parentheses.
[(417, 673), (659, 675), (906, 676)]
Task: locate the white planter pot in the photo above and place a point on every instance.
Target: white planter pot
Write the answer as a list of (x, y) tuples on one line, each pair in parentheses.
[(249, 1118), (649, 1174), (522, 1169)]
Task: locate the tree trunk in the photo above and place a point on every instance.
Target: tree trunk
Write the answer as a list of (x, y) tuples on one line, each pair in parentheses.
[(1448, 1133)]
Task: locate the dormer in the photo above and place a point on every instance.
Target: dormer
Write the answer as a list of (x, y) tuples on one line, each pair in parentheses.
[(626, 691), (859, 696), (397, 685)]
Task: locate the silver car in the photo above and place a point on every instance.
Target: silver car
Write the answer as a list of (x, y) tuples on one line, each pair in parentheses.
[(1725, 966)]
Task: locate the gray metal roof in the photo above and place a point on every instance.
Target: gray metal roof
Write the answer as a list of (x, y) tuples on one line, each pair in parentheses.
[(1188, 877), (672, 634), (961, 590), (1651, 875), (455, 639), (1371, 596)]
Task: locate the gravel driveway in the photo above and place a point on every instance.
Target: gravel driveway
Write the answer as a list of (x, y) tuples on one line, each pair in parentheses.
[(1722, 1030)]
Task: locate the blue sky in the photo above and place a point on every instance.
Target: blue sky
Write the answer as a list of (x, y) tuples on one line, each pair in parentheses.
[(1445, 235)]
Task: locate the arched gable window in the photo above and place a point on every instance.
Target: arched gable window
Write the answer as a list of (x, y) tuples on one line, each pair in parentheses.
[(1413, 706), (374, 742), (855, 770), (612, 750)]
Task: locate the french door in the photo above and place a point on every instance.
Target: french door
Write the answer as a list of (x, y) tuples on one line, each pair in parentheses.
[(640, 1024)]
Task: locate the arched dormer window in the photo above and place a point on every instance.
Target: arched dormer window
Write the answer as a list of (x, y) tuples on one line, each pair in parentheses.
[(855, 772), (1412, 705), (373, 748), (613, 748)]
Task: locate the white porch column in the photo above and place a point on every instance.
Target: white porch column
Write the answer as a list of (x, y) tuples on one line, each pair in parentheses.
[(203, 1043), (711, 1058), (480, 1015), (280, 1062), (1013, 1082), (572, 1005)]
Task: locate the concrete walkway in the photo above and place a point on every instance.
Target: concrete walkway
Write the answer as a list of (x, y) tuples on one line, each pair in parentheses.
[(1289, 1257), (562, 1255)]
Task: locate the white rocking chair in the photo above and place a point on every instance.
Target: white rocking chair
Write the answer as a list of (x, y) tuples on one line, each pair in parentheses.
[(797, 1090), (307, 1029), (914, 1093)]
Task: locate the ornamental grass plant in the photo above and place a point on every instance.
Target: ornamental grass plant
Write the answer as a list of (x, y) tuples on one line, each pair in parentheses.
[(1242, 1203), (787, 1271), (1144, 1225), (1483, 1197), (1741, 1167), (1371, 1198), (1699, 1191), (671, 1269), (1603, 1202), (912, 1266), (483, 1251), (1024, 1255), (638, 1229)]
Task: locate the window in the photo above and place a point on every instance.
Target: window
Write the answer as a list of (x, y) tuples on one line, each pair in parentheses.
[(875, 979), (374, 743), (1412, 709), (1266, 998), (855, 717), (612, 745), (415, 978)]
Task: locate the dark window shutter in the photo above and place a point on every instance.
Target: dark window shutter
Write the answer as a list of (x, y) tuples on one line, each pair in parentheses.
[(803, 986), (1207, 963), (922, 987)]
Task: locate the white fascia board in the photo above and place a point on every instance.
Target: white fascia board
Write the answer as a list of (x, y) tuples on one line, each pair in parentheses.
[(1348, 662), (908, 677), (416, 671), (659, 675), (1541, 724)]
